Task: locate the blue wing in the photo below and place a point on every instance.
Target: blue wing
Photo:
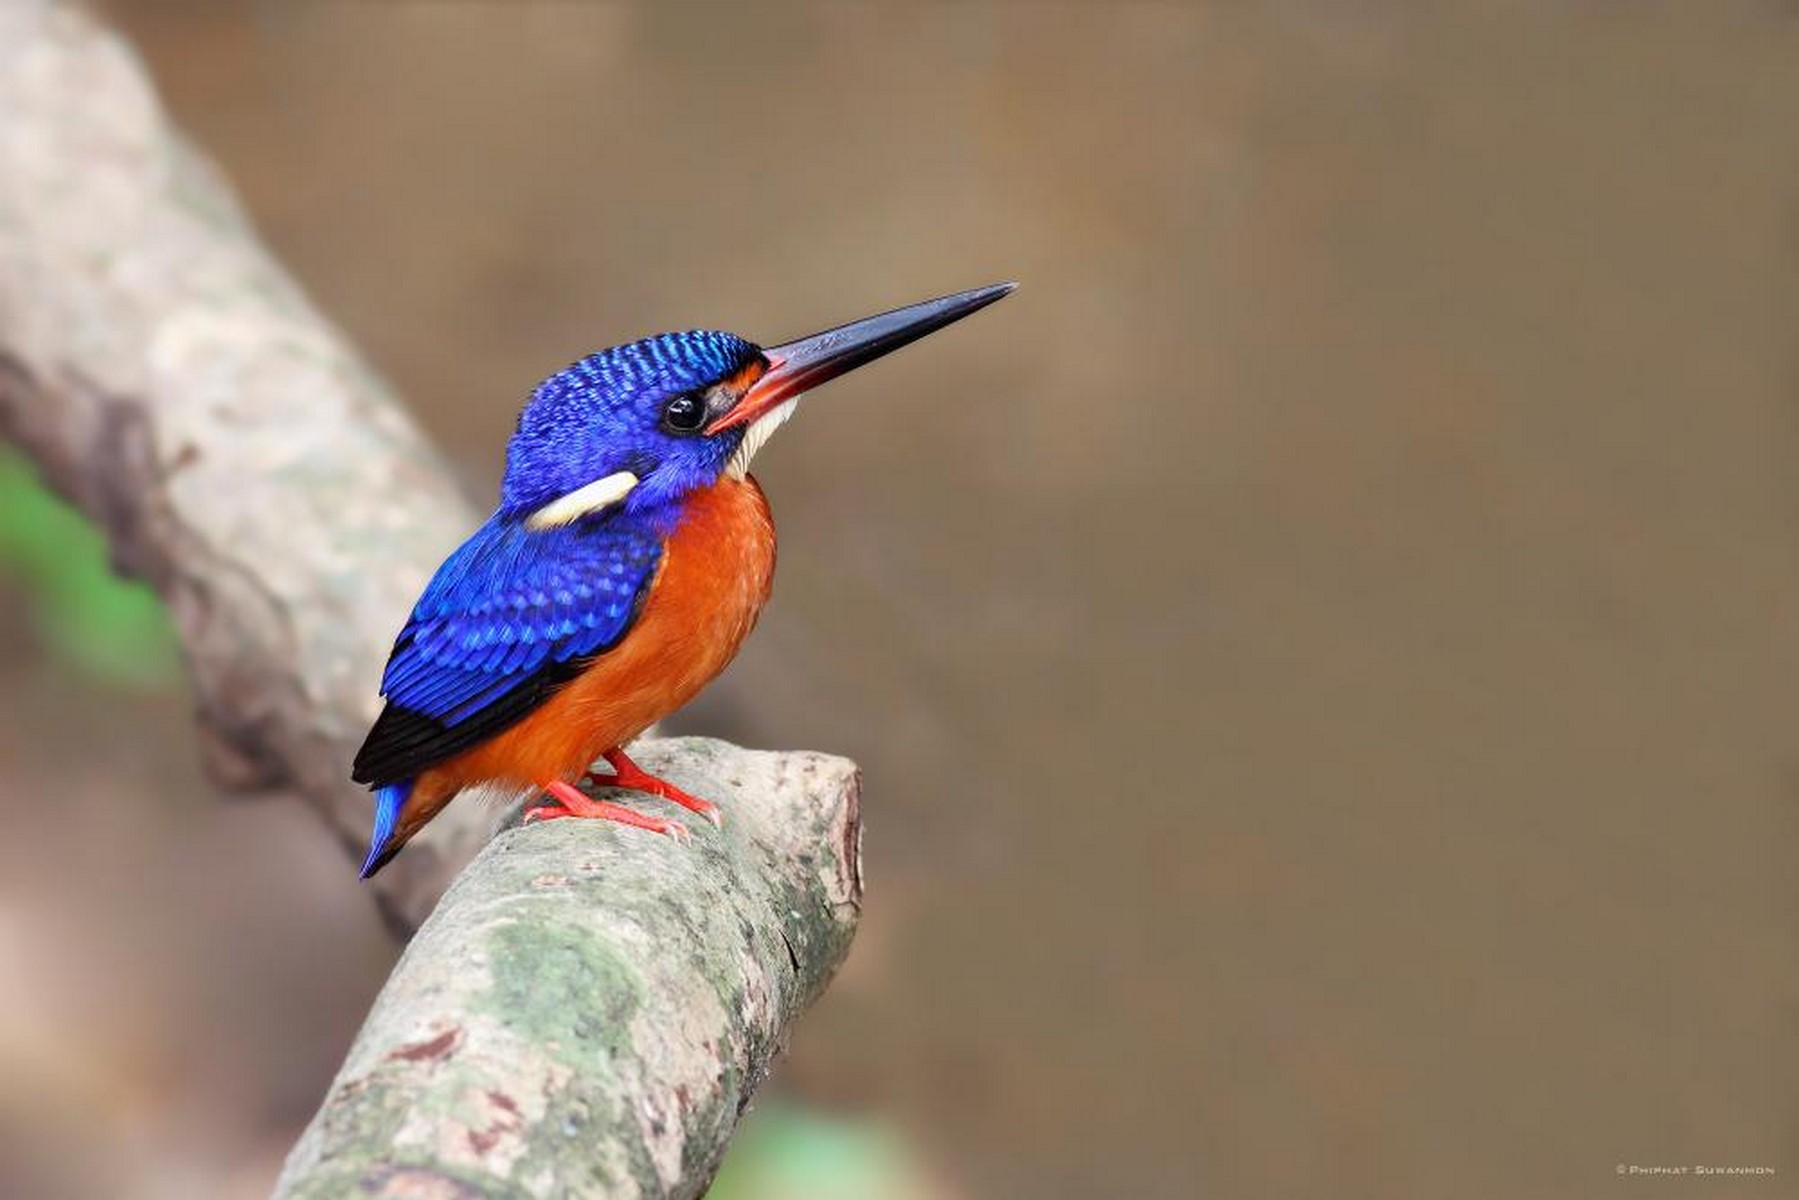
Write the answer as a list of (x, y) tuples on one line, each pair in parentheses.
[(509, 617)]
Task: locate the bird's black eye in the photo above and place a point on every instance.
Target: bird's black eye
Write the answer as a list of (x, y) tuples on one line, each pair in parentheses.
[(684, 414)]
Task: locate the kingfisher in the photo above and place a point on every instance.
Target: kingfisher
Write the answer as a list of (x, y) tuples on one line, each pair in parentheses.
[(629, 557)]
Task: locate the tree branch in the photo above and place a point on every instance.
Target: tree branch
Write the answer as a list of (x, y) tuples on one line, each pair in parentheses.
[(173, 382), (588, 1016), (589, 1009)]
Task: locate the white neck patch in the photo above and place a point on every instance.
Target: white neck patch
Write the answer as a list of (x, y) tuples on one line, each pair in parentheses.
[(760, 430), (599, 495)]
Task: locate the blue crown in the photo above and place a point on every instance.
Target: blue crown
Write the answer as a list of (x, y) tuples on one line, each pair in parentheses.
[(598, 415), (666, 364)]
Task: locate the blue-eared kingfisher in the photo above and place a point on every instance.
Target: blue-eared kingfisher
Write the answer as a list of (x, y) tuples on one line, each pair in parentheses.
[(629, 557)]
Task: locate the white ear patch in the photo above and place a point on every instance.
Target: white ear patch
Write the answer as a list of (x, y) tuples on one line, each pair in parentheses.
[(760, 430), (596, 496)]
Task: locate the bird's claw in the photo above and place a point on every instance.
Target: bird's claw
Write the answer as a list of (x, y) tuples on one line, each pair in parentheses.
[(568, 801), (633, 778), (705, 809)]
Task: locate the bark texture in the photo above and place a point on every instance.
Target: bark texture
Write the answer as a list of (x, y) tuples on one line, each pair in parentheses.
[(590, 1007), (171, 380)]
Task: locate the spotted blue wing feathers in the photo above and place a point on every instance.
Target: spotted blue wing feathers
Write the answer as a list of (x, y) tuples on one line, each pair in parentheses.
[(512, 615)]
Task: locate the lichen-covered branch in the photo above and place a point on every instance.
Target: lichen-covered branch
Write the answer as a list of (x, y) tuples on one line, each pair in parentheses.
[(170, 378), (590, 1007)]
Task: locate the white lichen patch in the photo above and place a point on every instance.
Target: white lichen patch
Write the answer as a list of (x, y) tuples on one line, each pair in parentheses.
[(682, 1039)]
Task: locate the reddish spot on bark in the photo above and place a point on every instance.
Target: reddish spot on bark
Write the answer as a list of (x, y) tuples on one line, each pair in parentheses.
[(436, 1048), (483, 1140)]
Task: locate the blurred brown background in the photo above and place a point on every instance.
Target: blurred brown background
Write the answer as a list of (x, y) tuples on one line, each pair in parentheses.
[(1322, 653)]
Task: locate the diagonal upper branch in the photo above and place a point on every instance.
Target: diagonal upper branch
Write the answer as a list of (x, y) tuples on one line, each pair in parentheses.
[(170, 378)]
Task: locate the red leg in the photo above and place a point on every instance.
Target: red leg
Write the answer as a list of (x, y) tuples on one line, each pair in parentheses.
[(567, 801), (630, 775)]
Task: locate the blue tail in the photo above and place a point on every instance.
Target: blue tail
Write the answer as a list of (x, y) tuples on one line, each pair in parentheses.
[(388, 803)]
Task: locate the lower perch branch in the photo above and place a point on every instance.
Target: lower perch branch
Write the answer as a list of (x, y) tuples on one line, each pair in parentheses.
[(590, 1008)]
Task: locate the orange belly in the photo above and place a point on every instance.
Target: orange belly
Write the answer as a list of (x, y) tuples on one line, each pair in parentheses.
[(715, 575)]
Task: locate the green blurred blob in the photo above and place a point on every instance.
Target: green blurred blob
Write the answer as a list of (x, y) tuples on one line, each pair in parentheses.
[(787, 1153), (112, 628)]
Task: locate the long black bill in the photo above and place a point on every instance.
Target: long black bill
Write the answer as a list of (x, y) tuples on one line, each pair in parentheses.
[(800, 366)]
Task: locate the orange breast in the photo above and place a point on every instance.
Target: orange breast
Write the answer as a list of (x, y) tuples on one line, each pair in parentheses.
[(714, 577)]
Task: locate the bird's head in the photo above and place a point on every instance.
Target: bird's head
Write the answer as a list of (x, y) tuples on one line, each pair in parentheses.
[(641, 426)]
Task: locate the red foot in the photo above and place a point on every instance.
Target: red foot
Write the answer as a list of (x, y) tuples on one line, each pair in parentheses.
[(567, 801), (630, 775)]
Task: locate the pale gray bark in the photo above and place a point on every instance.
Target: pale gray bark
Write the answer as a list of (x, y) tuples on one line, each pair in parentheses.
[(170, 378), (587, 1012), (590, 1007)]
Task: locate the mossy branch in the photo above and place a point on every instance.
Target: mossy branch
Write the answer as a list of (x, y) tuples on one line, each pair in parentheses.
[(590, 1007)]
